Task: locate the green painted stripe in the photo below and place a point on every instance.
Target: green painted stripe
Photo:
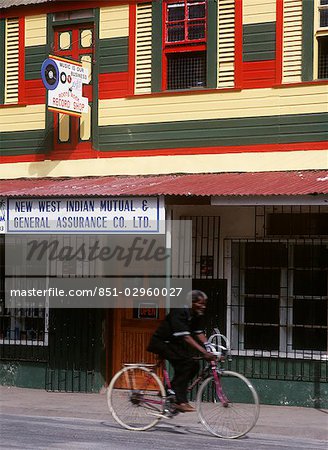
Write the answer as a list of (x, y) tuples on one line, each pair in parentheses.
[(113, 55), (34, 57), (212, 24), (15, 143), (259, 41), (215, 132), (156, 48), (2, 60), (95, 86), (307, 40)]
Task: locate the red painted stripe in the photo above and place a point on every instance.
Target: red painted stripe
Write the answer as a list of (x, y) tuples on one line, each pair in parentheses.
[(132, 47), (257, 74), (113, 85), (238, 44), (279, 39), (84, 150), (46, 8), (35, 92)]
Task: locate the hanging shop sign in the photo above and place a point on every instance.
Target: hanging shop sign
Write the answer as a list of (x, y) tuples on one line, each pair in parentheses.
[(87, 215), (64, 79)]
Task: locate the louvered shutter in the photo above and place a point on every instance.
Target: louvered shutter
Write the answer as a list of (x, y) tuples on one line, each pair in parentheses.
[(226, 43), (12, 60), (292, 41), (143, 48)]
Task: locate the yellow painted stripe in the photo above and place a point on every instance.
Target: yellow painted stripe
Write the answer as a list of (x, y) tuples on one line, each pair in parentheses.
[(35, 30), (258, 11), (114, 22), (31, 117), (156, 165), (217, 105)]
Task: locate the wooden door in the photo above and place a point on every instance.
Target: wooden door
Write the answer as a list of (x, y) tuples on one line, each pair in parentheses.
[(131, 332)]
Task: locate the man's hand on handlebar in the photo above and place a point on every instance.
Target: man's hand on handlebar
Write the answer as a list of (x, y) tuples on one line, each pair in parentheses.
[(208, 356)]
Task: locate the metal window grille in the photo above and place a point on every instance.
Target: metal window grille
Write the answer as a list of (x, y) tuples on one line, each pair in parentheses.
[(323, 12), (186, 21), (323, 57), (186, 70)]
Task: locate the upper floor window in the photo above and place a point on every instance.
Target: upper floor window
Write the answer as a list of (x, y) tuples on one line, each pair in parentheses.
[(185, 35), (185, 21), (322, 36)]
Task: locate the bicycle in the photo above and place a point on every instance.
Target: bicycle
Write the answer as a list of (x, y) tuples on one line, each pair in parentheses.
[(227, 403)]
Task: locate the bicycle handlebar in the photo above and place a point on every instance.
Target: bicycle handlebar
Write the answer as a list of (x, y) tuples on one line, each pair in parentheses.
[(218, 344)]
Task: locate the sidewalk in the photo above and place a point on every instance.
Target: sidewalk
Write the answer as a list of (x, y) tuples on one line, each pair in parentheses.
[(274, 420)]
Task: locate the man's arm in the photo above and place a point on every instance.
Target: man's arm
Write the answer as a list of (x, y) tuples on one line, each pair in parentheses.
[(193, 343)]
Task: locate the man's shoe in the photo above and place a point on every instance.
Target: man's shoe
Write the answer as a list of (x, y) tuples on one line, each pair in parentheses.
[(184, 407)]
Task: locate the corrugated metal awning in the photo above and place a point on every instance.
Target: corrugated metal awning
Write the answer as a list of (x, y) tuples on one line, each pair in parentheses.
[(10, 3), (213, 184)]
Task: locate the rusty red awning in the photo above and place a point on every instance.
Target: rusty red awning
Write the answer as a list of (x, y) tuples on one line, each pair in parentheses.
[(210, 184)]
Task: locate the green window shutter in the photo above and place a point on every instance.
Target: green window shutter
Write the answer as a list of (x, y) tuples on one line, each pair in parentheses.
[(307, 40), (212, 22), (11, 61), (156, 57)]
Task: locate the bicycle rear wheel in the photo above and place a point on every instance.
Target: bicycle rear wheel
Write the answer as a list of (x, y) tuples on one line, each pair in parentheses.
[(136, 398), (236, 411)]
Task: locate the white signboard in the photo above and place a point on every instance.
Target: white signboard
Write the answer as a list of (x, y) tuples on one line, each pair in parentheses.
[(86, 215), (64, 79)]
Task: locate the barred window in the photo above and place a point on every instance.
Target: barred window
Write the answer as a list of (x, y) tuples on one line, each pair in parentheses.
[(323, 57), (186, 70), (279, 297)]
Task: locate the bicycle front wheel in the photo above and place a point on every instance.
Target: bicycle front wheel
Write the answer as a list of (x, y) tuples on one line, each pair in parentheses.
[(230, 409), (136, 398)]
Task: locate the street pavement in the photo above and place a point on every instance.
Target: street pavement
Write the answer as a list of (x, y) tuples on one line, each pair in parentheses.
[(33, 418)]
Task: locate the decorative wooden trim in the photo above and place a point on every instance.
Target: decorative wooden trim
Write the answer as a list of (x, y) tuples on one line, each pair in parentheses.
[(238, 44)]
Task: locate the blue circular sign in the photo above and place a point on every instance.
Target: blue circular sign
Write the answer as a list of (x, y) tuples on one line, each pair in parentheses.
[(50, 74)]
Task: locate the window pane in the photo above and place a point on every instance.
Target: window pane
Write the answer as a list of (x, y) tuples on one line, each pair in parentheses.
[(307, 256), (309, 339), (262, 281), (323, 57), (196, 11), (262, 310), (261, 338), (175, 32), (310, 312), (65, 40), (310, 283), (196, 30), (259, 254), (175, 12), (186, 70)]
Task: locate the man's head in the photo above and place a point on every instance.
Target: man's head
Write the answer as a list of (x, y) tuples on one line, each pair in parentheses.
[(198, 300)]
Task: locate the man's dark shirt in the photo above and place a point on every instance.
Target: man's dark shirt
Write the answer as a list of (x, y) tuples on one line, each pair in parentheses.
[(178, 323)]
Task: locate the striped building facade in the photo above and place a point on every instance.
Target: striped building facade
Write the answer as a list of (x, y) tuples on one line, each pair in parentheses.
[(189, 87)]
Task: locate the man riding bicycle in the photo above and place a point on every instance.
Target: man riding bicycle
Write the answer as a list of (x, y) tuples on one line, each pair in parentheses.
[(177, 338)]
